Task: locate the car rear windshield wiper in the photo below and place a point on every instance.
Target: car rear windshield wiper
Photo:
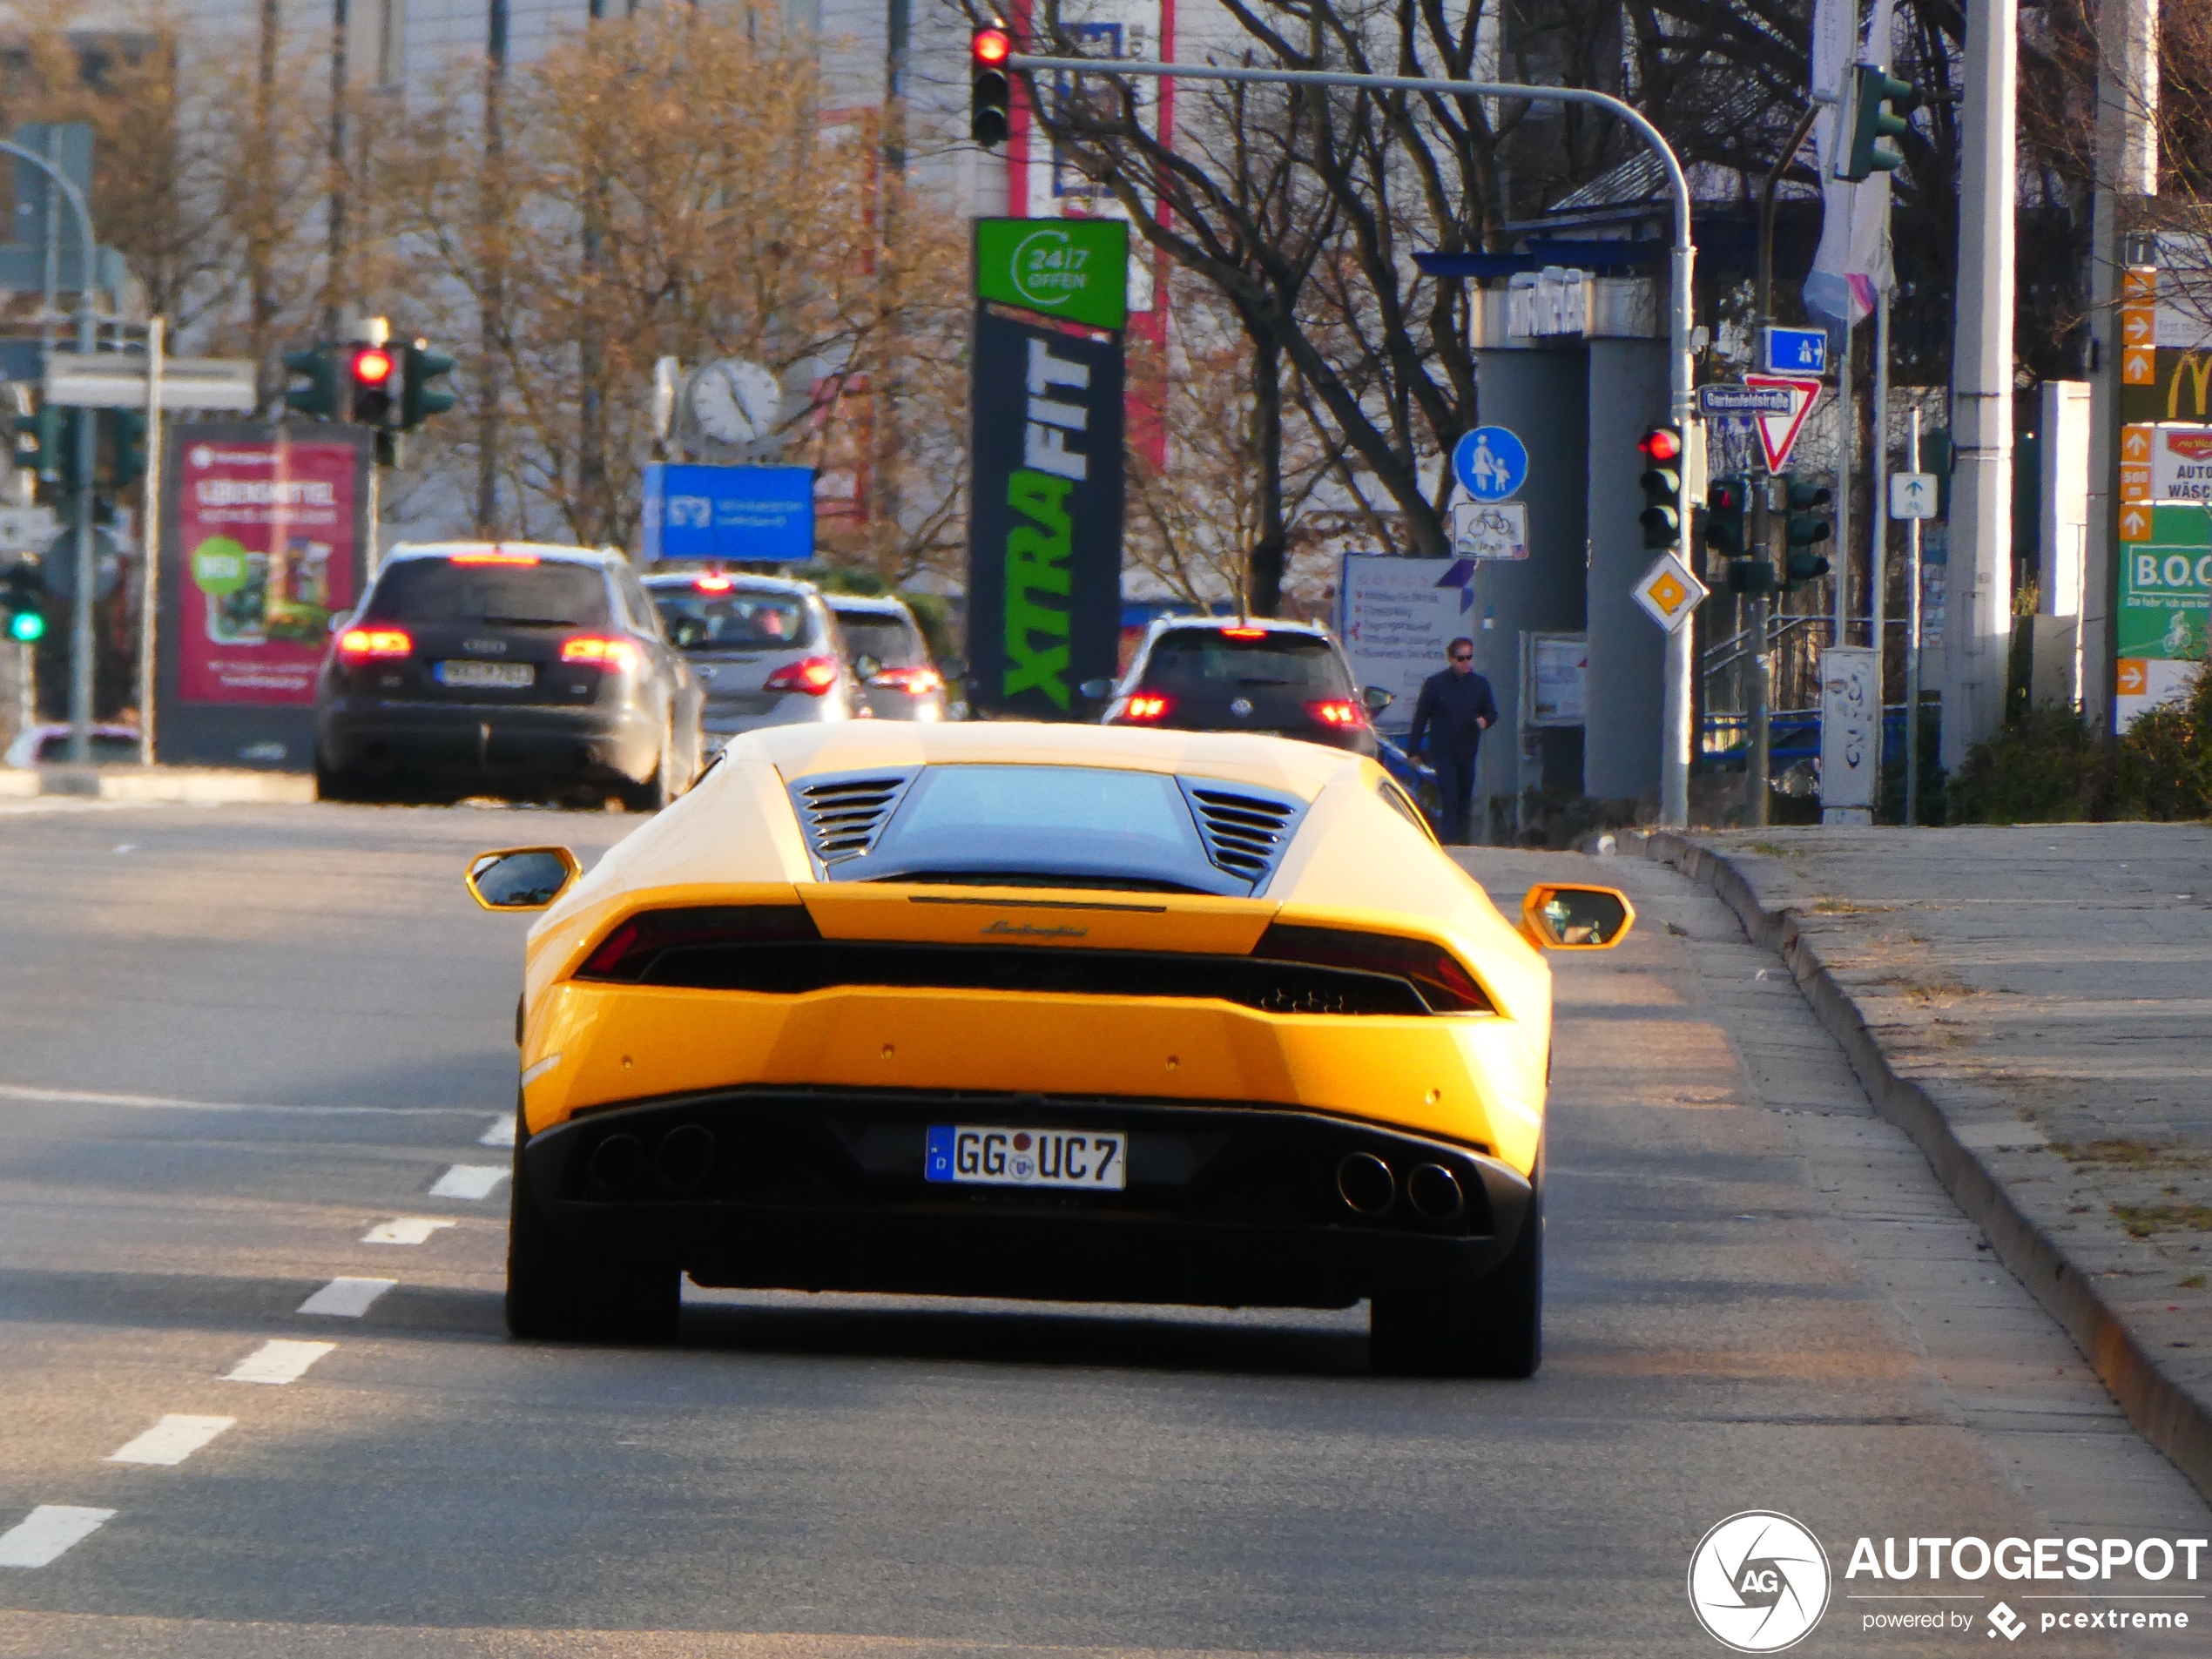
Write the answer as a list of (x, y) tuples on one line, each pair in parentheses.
[(527, 622), (1262, 682)]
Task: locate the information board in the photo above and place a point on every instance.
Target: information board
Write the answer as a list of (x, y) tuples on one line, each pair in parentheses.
[(1395, 617)]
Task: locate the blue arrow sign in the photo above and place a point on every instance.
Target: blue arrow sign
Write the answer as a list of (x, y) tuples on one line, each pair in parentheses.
[(1797, 351), (1490, 462)]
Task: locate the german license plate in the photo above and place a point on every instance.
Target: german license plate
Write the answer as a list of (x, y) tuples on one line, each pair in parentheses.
[(1027, 1158), (506, 676)]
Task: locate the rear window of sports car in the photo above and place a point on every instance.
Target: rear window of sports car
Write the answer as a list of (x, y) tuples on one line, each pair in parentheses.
[(1072, 826)]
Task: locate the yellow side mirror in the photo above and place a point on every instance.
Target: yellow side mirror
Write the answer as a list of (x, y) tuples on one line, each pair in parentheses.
[(1559, 915), (521, 878)]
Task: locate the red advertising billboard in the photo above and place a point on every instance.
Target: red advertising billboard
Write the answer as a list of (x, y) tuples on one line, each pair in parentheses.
[(267, 528)]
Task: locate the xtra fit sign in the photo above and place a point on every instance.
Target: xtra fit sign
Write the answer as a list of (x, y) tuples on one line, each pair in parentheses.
[(1045, 524)]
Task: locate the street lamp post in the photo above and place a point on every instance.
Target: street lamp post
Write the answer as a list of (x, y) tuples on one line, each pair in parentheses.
[(1674, 770)]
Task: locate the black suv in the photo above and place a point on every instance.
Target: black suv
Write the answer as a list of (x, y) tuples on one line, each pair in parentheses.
[(511, 668), (1281, 679)]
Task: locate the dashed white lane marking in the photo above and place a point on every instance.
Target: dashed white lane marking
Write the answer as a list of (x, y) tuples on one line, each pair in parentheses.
[(469, 1181), (502, 1132), (279, 1362), (172, 1440), (163, 1102), (47, 1532), (346, 1298), (403, 1230)]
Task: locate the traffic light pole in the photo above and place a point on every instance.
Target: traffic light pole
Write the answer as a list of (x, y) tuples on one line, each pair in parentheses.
[(80, 677), (1674, 766)]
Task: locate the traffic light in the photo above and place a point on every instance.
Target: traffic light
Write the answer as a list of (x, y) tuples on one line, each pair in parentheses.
[(126, 446), (369, 372), (988, 49), (1662, 482), (319, 397), (1874, 94), (1804, 529), (42, 444), (1725, 502), (419, 400), (22, 596)]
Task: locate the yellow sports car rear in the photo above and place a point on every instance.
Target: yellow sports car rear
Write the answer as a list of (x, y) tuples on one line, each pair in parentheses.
[(1037, 1011)]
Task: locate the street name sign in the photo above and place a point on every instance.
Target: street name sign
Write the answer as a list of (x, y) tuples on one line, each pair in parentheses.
[(1913, 494), (1724, 399), (1669, 593), (1073, 268), (1795, 351)]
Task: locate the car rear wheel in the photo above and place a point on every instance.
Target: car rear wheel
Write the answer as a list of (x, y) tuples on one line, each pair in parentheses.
[(663, 786), (559, 1293), (1494, 1328)]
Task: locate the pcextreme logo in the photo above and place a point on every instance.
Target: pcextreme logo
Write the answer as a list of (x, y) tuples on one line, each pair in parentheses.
[(1758, 1582)]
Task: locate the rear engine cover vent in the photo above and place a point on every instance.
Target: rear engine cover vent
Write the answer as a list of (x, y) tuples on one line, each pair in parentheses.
[(1245, 829), (843, 816)]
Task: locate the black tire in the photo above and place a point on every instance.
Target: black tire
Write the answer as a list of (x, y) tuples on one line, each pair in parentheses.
[(1492, 1328), (333, 785), (557, 1293)]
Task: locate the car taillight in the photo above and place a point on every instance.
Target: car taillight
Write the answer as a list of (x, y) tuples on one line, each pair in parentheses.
[(1338, 711), (620, 655), (629, 952), (914, 681), (1244, 633), (1443, 982), (1146, 707), (811, 675), (360, 644)]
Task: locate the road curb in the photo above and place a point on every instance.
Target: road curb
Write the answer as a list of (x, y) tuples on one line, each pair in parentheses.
[(164, 786), (2162, 1410)]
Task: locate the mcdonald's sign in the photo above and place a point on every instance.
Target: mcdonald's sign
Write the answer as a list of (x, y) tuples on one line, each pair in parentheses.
[(2179, 388)]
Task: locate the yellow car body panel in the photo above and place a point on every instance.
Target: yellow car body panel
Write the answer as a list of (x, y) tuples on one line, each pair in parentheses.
[(1356, 861)]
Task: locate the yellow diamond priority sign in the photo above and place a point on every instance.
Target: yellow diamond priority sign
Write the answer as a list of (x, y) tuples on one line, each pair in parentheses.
[(1669, 593)]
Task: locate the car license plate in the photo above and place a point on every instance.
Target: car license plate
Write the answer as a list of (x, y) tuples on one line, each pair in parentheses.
[(1027, 1157), (507, 675)]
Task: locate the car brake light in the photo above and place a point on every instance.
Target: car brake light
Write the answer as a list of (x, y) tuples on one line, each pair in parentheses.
[(359, 644), (619, 655), (1244, 633), (1444, 984), (1146, 707), (631, 950), (811, 675), (497, 556), (1338, 711), (714, 584), (914, 681)]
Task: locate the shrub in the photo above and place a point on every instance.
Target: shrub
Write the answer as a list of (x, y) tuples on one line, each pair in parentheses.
[(2046, 768), (2166, 757)]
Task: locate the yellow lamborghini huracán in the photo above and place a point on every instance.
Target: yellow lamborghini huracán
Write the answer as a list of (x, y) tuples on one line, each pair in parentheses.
[(1046, 1011)]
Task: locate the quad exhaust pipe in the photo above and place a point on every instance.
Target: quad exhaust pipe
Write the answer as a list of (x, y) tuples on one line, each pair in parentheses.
[(1369, 1187), (679, 1163)]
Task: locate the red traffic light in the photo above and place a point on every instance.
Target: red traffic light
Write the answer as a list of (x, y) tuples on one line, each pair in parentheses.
[(371, 366), (1661, 445), (991, 46)]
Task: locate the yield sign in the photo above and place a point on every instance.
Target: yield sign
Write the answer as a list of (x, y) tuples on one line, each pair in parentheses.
[(1779, 432)]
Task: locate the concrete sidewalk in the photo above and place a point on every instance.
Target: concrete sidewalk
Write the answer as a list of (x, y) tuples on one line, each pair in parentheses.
[(2033, 1006), (188, 785)]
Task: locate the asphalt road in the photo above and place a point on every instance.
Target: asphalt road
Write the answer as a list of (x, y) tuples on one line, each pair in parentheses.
[(237, 1044)]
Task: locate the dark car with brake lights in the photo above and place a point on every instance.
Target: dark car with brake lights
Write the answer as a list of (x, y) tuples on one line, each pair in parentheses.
[(530, 670), (766, 649), (1281, 679), (889, 658)]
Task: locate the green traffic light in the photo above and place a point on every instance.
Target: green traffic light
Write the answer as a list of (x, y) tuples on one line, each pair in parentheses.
[(27, 627), (1874, 93)]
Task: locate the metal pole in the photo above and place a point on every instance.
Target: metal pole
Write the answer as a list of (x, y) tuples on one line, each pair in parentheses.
[(1878, 545), (1849, 409), (1912, 638), (1977, 635), (1673, 768), (150, 536), (334, 288)]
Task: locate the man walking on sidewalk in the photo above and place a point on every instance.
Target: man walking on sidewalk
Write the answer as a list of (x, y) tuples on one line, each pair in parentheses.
[(1455, 709)]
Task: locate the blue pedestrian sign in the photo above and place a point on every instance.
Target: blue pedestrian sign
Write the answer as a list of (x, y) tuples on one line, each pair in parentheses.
[(1797, 351), (1490, 463), (728, 513)]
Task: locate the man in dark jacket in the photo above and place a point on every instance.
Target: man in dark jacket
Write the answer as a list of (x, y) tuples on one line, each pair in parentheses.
[(1455, 709)]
